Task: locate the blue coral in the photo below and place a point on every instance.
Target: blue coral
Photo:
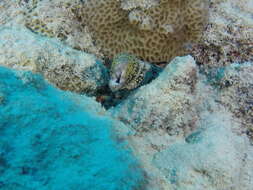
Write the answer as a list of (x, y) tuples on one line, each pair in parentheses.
[(50, 139)]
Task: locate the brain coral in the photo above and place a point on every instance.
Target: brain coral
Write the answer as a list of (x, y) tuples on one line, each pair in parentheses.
[(154, 33)]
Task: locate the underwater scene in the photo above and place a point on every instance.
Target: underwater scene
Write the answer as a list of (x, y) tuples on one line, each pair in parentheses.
[(126, 95)]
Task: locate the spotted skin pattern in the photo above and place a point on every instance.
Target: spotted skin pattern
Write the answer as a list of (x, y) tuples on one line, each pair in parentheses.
[(127, 72)]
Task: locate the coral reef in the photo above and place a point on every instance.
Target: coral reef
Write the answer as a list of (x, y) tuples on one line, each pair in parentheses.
[(153, 31), (228, 37), (10, 12), (131, 4), (52, 139), (190, 127), (184, 132), (127, 72), (214, 159), (157, 33), (63, 66), (147, 24), (55, 19), (236, 93)]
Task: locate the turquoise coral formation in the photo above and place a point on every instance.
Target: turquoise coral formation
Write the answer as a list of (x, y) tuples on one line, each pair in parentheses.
[(51, 139)]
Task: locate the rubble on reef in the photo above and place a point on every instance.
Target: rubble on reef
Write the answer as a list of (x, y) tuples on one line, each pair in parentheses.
[(66, 68), (228, 37), (236, 93)]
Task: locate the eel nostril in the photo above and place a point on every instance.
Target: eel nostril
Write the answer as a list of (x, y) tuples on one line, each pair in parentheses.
[(118, 76), (118, 80)]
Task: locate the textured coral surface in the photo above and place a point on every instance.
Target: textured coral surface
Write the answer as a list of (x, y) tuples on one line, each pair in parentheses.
[(52, 139), (55, 19), (236, 93), (189, 135), (190, 128), (156, 33), (229, 34), (63, 66)]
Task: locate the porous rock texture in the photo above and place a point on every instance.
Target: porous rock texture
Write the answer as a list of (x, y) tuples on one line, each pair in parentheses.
[(152, 30), (10, 12), (131, 4), (63, 66), (235, 85), (56, 19), (228, 37), (52, 139), (211, 158), (153, 33), (185, 137), (49, 18)]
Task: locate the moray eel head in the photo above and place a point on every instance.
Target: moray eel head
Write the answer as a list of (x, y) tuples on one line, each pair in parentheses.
[(119, 72)]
